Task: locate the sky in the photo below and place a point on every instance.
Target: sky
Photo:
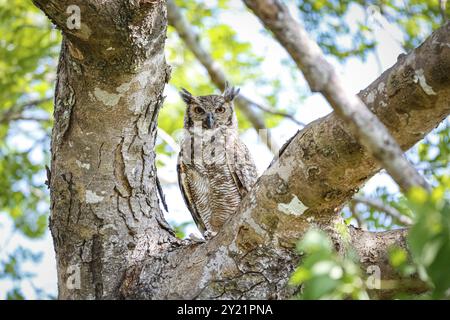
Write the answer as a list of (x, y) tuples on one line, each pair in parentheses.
[(355, 73)]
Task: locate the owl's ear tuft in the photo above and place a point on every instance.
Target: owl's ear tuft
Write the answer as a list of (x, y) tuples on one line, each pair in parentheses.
[(186, 96), (230, 92)]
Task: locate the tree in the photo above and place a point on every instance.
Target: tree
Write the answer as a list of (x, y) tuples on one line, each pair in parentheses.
[(109, 232), (29, 48)]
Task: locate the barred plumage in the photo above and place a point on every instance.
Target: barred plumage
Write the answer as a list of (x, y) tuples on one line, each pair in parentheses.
[(215, 169)]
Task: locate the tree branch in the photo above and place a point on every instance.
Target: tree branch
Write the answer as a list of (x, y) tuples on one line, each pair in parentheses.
[(318, 171), (381, 206), (217, 75), (274, 112), (15, 112), (373, 249), (30, 118), (105, 212), (322, 77)]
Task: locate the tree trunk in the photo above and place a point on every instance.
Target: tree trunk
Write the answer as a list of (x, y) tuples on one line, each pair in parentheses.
[(105, 214), (110, 237)]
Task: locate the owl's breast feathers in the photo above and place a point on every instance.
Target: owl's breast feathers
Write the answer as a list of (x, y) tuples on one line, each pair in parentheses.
[(214, 182), (191, 193)]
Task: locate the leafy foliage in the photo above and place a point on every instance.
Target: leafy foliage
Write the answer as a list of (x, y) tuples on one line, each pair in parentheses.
[(27, 52), (336, 37), (434, 154), (20, 193), (180, 229), (10, 269), (324, 274), (429, 239), (323, 18), (27, 66)]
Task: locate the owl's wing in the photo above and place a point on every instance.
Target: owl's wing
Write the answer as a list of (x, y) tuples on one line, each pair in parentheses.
[(243, 169), (187, 195)]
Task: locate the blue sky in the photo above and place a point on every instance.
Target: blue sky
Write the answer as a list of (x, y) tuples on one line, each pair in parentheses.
[(355, 74)]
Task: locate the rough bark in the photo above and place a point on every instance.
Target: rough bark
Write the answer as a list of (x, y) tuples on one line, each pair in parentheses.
[(105, 220), (317, 172), (374, 248), (104, 207), (322, 77)]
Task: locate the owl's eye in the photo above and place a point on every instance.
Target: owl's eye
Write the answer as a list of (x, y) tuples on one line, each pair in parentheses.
[(220, 109), (199, 110)]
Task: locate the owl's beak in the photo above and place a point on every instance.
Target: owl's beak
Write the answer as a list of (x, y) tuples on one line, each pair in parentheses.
[(209, 120)]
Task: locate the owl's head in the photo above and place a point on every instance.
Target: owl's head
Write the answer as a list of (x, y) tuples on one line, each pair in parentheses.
[(213, 111)]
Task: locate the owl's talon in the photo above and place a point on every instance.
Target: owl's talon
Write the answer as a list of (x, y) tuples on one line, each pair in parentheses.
[(209, 235)]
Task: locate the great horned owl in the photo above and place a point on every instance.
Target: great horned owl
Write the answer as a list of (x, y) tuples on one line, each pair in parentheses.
[(215, 168)]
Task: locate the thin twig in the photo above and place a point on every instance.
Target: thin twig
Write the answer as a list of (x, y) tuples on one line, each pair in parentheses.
[(381, 206), (355, 214), (28, 118), (15, 112), (276, 113)]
